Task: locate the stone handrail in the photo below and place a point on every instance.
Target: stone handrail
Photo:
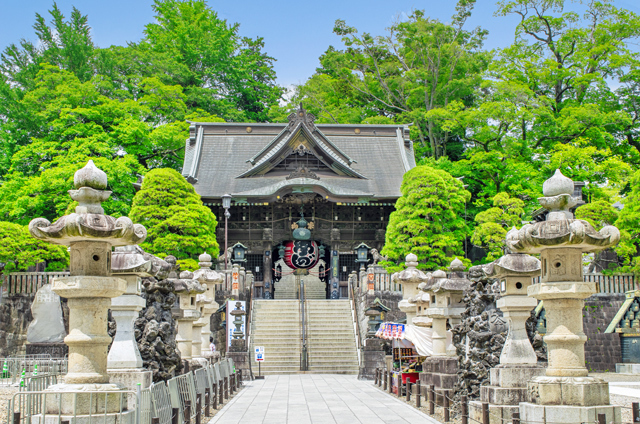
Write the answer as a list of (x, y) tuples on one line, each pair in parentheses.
[(28, 282)]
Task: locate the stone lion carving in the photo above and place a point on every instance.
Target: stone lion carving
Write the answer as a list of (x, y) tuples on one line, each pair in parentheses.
[(377, 257), (229, 253)]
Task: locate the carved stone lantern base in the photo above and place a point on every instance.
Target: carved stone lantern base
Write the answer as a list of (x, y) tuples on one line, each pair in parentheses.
[(507, 388), (440, 372)]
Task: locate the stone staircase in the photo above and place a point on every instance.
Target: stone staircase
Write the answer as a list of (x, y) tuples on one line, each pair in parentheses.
[(289, 289), (331, 340)]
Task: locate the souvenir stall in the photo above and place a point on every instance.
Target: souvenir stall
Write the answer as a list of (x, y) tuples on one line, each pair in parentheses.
[(410, 347)]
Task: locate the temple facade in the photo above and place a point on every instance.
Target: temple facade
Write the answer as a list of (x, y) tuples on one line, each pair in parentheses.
[(343, 180)]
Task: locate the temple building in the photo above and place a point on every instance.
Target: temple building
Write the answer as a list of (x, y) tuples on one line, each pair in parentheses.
[(339, 182)]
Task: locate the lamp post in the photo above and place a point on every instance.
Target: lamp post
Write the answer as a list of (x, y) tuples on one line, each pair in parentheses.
[(226, 204)]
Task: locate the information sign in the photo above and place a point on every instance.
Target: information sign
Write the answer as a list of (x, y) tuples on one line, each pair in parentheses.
[(259, 353)]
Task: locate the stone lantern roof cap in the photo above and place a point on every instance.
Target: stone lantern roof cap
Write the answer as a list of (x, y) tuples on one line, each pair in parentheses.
[(516, 264), (204, 257), (187, 285), (560, 229), (89, 223), (130, 260), (457, 265), (411, 275), (557, 185)]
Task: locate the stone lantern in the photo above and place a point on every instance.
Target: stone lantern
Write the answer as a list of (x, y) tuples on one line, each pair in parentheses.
[(566, 390), (518, 360), (440, 370), (208, 279), (422, 302), (186, 311), (124, 362), (91, 235), (410, 278)]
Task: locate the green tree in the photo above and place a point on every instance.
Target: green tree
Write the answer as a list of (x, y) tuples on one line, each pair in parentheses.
[(421, 65), (19, 250), (177, 222), (494, 223), (219, 71), (629, 224), (599, 214), (72, 123), (428, 220)]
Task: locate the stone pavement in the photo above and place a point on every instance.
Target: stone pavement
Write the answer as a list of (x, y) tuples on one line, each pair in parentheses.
[(316, 398)]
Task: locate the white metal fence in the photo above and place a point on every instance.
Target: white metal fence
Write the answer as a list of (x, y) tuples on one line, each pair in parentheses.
[(161, 403)]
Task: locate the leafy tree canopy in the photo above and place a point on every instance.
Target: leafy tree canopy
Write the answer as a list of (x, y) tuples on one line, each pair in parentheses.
[(428, 220), (629, 224), (494, 223), (19, 251), (177, 222)]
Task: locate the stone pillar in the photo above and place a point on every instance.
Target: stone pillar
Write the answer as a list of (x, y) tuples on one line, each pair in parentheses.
[(565, 391), (89, 289), (208, 279), (518, 360), (410, 278), (186, 312), (440, 370)]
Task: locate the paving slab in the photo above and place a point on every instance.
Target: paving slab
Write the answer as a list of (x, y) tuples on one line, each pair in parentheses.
[(316, 399)]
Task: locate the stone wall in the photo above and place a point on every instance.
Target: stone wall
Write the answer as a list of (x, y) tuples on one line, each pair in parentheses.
[(602, 351), (15, 316)]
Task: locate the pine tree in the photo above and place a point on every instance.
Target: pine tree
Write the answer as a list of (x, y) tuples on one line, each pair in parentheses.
[(428, 220), (177, 222)]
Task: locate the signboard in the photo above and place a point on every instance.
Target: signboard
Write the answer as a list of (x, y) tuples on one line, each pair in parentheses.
[(231, 305), (234, 280), (259, 353), (370, 278)]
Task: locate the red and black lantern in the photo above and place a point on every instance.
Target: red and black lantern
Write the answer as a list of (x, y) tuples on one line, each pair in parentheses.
[(301, 254)]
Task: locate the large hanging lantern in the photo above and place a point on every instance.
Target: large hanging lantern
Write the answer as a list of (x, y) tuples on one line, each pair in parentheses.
[(301, 254)]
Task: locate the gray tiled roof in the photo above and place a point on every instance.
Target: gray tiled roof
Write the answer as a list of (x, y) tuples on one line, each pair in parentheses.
[(381, 154)]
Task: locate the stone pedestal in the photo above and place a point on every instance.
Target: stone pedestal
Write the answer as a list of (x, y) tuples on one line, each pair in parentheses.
[(187, 313), (373, 357), (238, 352), (129, 380), (441, 373), (124, 353), (410, 278), (208, 278), (508, 387)]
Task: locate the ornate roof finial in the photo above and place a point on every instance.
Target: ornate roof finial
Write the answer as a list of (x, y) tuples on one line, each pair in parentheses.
[(558, 198), (90, 176), (556, 185), (456, 265)]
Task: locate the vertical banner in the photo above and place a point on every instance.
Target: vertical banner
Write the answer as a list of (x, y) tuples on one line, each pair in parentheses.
[(370, 282), (235, 277), (231, 305)]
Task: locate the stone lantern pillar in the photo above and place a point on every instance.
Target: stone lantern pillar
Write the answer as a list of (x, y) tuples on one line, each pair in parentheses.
[(565, 391), (208, 279), (446, 307), (124, 362), (410, 278), (518, 360), (90, 234), (186, 312)]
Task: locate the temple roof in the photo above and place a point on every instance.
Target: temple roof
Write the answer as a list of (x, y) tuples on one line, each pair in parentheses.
[(257, 161)]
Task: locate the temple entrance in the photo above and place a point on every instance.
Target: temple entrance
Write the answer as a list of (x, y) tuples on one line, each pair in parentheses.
[(286, 277)]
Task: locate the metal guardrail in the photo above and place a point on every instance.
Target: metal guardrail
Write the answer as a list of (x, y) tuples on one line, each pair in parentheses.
[(195, 391), (15, 369), (304, 352)]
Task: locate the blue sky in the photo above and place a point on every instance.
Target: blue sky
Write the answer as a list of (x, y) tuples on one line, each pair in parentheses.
[(296, 33)]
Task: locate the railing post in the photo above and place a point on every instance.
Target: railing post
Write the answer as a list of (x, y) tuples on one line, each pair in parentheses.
[(408, 390), (199, 408), (207, 400), (432, 400), (384, 380), (16, 418), (465, 409), (635, 409), (418, 393), (515, 419), (445, 394), (187, 412), (390, 377), (485, 413), (174, 415), (215, 396), (602, 419)]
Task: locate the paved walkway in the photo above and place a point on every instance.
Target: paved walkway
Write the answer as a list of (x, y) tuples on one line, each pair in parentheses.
[(316, 398)]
